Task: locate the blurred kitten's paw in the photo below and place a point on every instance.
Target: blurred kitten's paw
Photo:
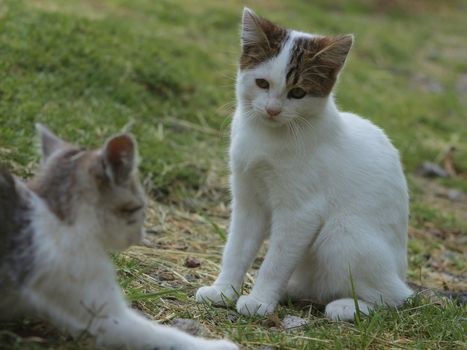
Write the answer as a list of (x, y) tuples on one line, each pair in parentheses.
[(219, 345), (250, 306), (223, 295)]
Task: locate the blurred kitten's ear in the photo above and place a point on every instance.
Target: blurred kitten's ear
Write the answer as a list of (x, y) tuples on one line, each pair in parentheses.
[(119, 156), (49, 142)]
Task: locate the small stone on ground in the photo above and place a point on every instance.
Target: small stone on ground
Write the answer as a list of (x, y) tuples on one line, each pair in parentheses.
[(192, 262), (428, 169), (290, 322)]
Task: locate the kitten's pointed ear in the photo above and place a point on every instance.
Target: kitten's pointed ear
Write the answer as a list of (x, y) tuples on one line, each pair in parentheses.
[(335, 51), (49, 142), (119, 155), (260, 39), (252, 31)]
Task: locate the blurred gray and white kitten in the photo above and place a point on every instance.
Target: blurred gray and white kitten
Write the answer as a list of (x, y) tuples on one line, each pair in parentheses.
[(325, 186), (55, 235)]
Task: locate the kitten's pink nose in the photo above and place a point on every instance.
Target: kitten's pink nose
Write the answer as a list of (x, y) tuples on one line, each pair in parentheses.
[(273, 110)]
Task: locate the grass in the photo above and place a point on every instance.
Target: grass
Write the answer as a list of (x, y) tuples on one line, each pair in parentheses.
[(165, 71)]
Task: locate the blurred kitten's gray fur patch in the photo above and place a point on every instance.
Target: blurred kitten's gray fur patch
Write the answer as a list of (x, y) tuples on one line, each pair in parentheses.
[(16, 252)]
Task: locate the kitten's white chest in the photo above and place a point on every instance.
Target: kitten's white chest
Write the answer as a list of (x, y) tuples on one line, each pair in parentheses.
[(253, 150), (269, 173)]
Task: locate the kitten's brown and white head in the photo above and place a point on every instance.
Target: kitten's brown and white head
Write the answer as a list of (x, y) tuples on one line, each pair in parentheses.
[(285, 74), (97, 190)]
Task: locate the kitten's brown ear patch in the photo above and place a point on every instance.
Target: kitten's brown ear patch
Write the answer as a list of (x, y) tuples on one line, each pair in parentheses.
[(335, 50), (119, 156), (49, 142), (261, 39), (315, 62)]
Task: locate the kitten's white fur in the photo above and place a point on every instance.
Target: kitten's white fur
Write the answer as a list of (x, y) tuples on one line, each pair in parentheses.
[(74, 285), (330, 194)]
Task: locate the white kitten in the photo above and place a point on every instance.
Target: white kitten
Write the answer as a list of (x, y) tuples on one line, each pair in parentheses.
[(55, 235), (326, 187)]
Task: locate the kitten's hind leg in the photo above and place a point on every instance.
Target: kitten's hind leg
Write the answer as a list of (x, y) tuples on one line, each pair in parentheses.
[(345, 310)]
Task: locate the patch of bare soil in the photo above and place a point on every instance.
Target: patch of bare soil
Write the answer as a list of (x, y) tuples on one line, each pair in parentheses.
[(444, 265)]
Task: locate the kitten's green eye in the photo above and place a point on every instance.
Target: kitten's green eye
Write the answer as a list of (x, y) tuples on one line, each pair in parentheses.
[(297, 93), (263, 84)]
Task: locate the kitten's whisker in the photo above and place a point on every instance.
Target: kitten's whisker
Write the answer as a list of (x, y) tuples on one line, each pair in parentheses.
[(302, 119), (227, 108)]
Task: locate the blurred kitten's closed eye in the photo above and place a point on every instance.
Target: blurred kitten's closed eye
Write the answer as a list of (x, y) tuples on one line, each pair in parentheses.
[(262, 83), (296, 93), (129, 209)]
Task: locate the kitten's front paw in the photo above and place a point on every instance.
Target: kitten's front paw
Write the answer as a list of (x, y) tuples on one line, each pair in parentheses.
[(250, 306), (223, 295)]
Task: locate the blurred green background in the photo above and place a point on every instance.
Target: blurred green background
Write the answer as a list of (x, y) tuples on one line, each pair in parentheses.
[(89, 68)]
